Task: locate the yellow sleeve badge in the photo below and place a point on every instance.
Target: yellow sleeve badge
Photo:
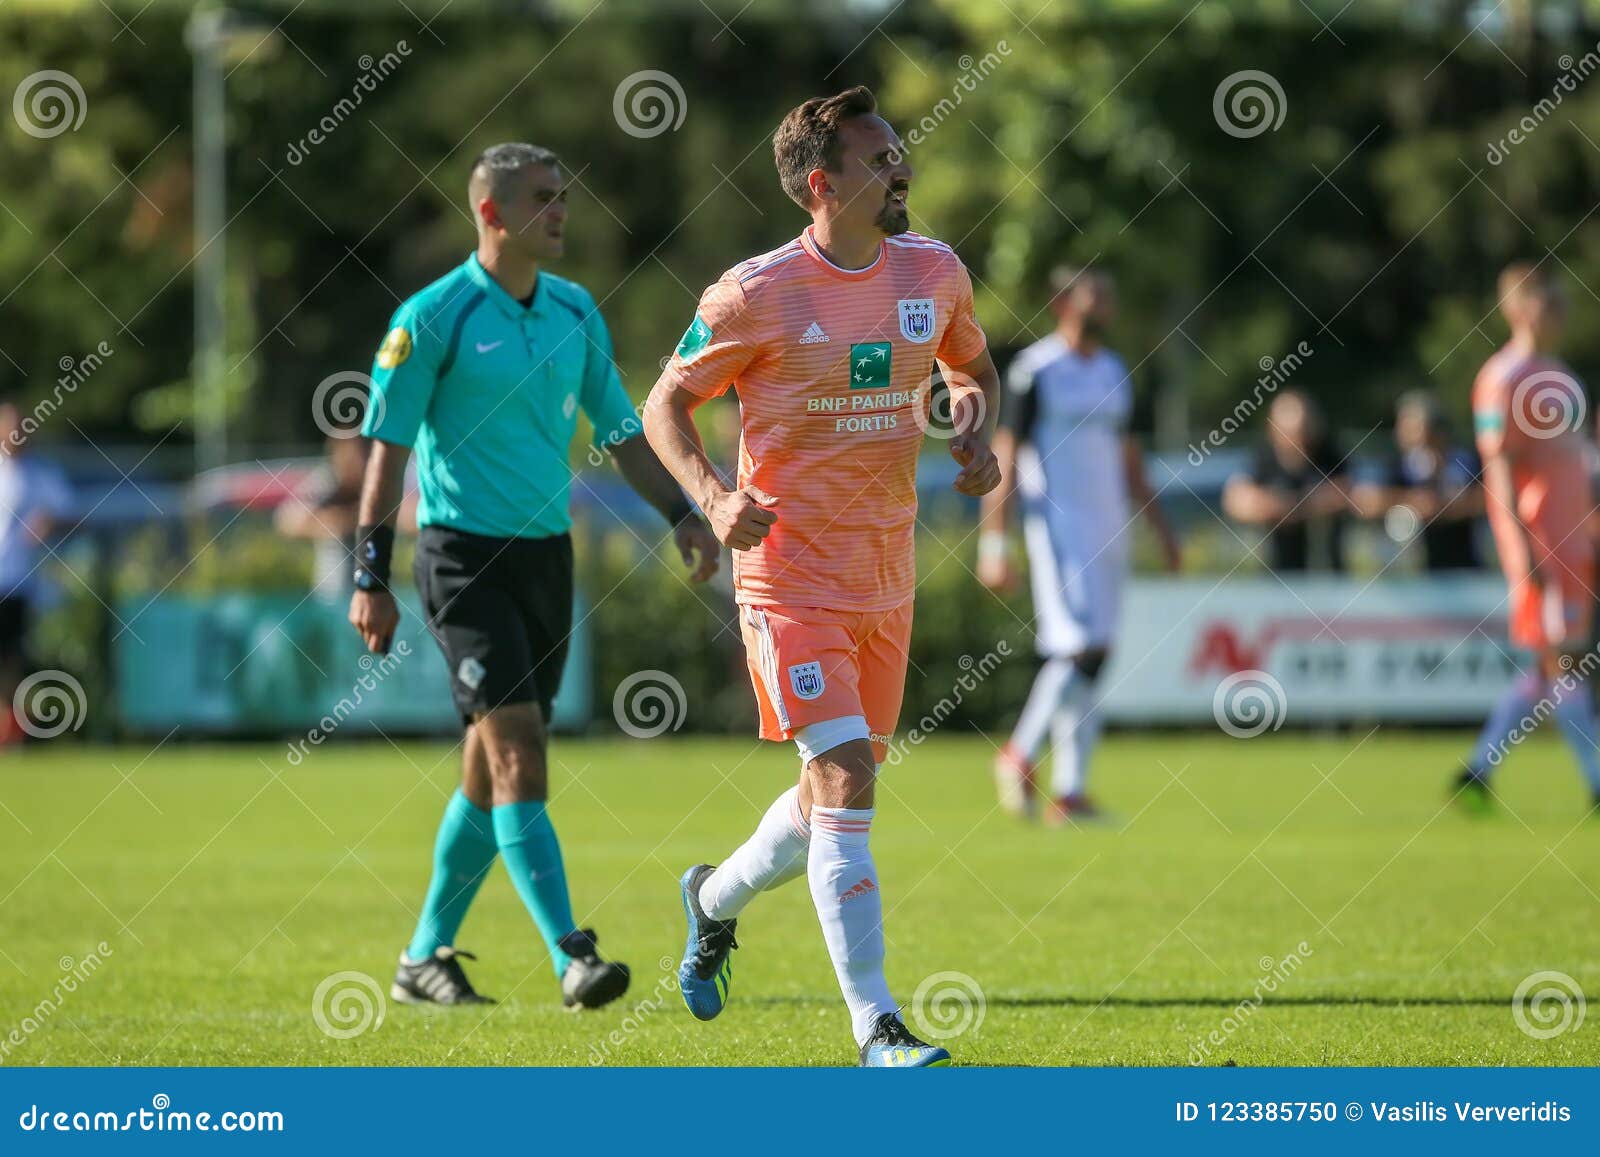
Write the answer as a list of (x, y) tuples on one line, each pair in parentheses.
[(396, 348)]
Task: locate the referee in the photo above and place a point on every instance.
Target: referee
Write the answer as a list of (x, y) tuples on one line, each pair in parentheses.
[(483, 373)]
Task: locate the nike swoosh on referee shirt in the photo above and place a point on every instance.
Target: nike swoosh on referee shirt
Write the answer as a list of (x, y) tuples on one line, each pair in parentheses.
[(485, 346)]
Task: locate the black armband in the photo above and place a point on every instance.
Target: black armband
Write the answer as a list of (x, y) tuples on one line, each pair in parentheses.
[(374, 554)]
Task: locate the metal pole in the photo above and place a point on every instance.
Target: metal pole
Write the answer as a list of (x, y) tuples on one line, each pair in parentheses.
[(206, 35)]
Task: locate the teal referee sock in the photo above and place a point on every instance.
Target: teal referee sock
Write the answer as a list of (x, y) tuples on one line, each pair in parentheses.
[(532, 853), (463, 853)]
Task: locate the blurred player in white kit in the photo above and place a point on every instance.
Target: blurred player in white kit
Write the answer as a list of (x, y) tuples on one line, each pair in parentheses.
[(1063, 445)]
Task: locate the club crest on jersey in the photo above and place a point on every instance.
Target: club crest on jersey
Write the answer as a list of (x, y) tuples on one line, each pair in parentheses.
[(471, 673), (916, 318), (806, 679)]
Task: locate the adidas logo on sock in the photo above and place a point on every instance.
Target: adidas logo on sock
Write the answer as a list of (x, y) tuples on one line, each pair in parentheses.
[(813, 335), (858, 891)]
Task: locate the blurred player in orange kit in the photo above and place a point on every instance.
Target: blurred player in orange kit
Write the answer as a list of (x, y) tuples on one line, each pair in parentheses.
[(831, 342), (1529, 412)]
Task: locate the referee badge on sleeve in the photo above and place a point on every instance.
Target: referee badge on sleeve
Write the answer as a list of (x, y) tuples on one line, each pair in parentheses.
[(395, 349), (806, 680)]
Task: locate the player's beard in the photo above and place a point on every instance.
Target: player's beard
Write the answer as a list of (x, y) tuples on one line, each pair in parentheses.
[(893, 219)]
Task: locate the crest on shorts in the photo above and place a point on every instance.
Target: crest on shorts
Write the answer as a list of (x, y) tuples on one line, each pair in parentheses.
[(806, 679), (471, 673), (916, 318)]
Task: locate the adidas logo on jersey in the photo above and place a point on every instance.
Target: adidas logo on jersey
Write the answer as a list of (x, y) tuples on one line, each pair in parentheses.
[(813, 335)]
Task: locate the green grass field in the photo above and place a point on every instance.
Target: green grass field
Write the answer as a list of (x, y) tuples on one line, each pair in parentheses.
[(227, 885)]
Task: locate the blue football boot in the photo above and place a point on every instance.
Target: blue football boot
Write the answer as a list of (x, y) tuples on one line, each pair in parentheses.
[(891, 1046), (707, 967)]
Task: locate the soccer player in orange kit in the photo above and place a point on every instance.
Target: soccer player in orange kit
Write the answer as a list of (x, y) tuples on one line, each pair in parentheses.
[(1528, 408), (830, 341)]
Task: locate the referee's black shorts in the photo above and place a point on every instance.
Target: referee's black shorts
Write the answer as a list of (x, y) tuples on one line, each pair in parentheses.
[(501, 610)]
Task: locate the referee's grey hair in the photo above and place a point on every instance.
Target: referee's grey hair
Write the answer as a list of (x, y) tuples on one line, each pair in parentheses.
[(498, 165)]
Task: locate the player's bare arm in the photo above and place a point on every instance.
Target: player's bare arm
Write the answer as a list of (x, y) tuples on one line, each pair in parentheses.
[(739, 519), (1145, 499), (980, 469), (995, 570), (650, 480), (373, 611), (1499, 490)]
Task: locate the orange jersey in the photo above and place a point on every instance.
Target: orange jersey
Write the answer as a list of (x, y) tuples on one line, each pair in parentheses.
[(1534, 410), (833, 369)]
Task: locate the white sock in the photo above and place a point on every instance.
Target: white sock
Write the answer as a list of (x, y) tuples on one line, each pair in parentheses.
[(844, 887), (1508, 713), (1074, 731), (774, 855), (1050, 687)]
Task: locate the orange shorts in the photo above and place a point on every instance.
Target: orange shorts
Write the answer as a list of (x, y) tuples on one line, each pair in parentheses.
[(1559, 611), (810, 665)]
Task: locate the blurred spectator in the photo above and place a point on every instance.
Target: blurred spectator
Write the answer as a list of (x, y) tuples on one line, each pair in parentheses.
[(1429, 490), (1295, 489), (34, 497), (323, 510)]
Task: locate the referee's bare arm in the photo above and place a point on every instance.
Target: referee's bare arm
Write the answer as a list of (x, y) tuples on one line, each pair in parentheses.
[(373, 611)]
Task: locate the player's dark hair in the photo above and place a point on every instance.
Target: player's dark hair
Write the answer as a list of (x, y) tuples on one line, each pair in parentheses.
[(808, 138), (498, 165)]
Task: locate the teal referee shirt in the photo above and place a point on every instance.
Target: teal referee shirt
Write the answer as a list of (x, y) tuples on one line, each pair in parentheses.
[(488, 391)]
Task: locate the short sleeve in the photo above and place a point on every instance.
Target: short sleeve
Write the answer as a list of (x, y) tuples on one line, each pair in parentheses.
[(1493, 429), (718, 345), (1019, 400), (963, 337), (603, 399), (404, 373)]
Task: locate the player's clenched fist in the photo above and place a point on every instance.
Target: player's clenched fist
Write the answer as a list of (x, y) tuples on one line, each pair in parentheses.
[(980, 469), (742, 518), (375, 615)]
